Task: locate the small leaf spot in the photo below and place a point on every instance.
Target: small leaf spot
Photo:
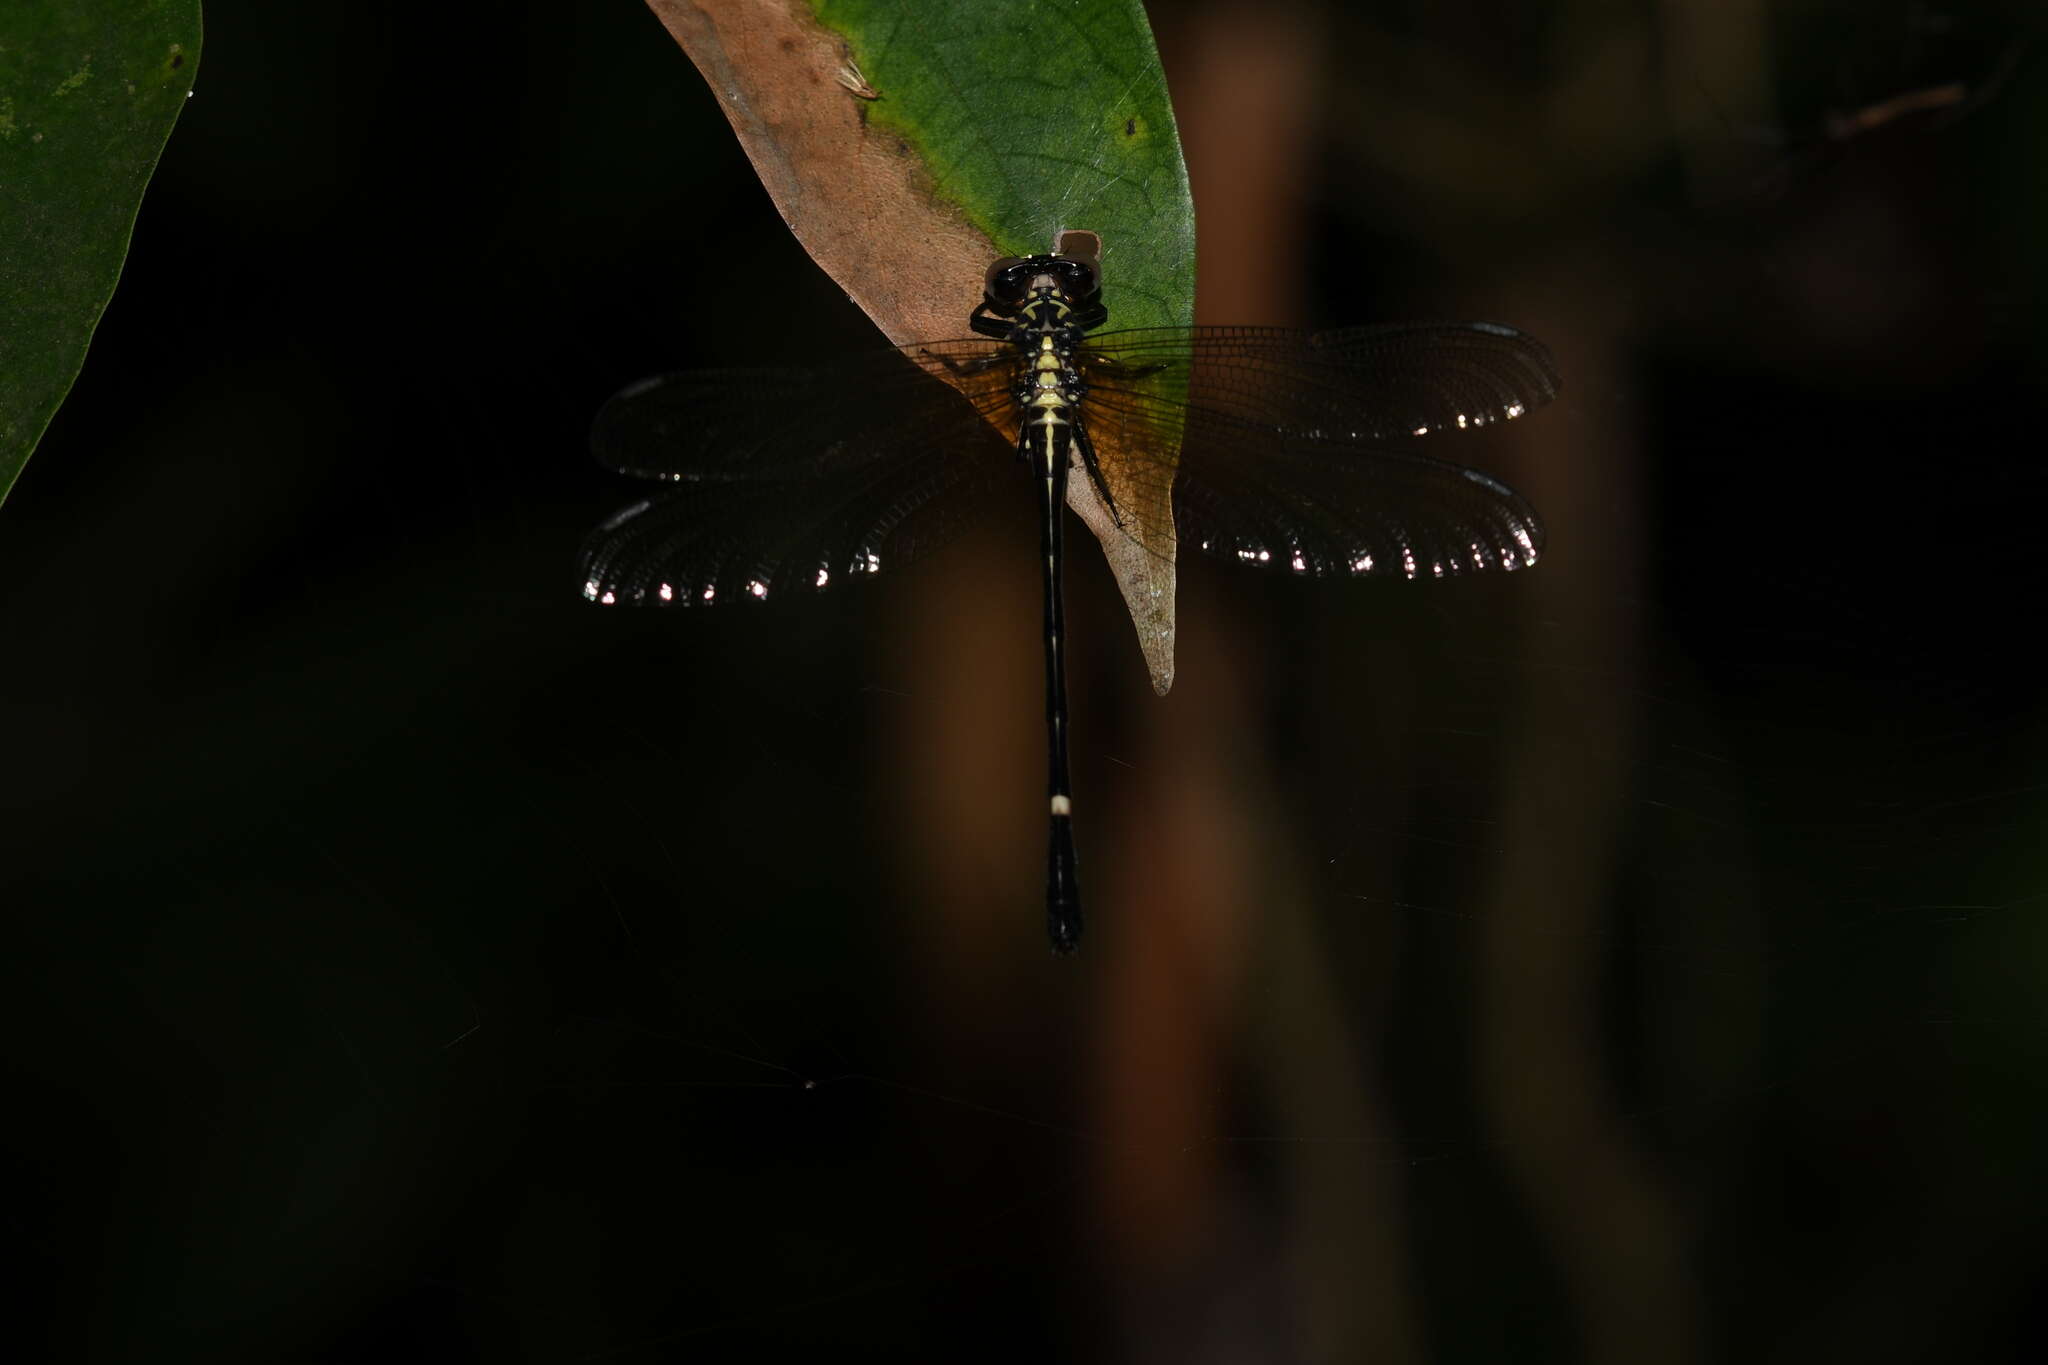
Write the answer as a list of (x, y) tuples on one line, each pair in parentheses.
[(76, 78)]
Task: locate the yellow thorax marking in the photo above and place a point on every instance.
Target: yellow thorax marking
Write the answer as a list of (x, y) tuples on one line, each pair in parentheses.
[(1047, 364), (1031, 308)]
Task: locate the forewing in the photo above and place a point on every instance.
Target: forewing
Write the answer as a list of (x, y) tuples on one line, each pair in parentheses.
[(1357, 385), (720, 425)]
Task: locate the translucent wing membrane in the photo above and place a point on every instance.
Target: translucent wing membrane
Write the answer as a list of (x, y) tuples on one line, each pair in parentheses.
[(710, 425), (747, 540), (1361, 384), (796, 481), (1282, 449), (1294, 504)]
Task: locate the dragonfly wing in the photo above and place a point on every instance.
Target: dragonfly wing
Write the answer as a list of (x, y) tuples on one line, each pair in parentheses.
[(1307, 506), (1357, 385), (718, 541), (718, 425)]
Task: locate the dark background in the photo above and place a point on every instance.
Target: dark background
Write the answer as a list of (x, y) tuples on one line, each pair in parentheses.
[(1640, 959)]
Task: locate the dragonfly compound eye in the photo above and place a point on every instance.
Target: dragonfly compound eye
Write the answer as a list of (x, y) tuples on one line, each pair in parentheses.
[(1078, 277), (1009, 280)]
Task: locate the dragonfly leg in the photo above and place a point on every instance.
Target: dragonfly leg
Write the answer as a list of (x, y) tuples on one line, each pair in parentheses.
[(1125, 369), (980, 364), (1094, 472)]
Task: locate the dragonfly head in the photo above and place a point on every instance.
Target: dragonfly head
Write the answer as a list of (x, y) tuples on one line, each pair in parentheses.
[(1031, 293), (1015, 281)]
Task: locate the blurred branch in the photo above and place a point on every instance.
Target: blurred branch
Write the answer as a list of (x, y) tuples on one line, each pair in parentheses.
[(1959, 97)]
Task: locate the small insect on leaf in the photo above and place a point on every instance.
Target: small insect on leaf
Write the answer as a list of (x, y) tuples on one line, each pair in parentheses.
[(850, 77)]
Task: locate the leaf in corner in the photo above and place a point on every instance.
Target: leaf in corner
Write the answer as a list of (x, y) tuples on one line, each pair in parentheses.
[(89, 91)]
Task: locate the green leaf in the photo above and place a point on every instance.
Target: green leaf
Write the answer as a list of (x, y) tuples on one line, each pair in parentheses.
[(1033, 118), (89, 91), (909, 143)]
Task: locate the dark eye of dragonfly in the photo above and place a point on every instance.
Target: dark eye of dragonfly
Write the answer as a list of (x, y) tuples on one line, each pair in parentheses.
[(1081, 286), (1009, 280), (1299, 452), (1012, 280), (1077, 277)]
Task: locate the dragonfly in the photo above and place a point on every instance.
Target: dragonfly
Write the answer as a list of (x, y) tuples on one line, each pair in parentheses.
[(1286, 450)]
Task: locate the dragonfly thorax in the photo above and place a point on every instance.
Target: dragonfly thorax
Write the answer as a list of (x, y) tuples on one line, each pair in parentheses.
[(1049, 381)]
